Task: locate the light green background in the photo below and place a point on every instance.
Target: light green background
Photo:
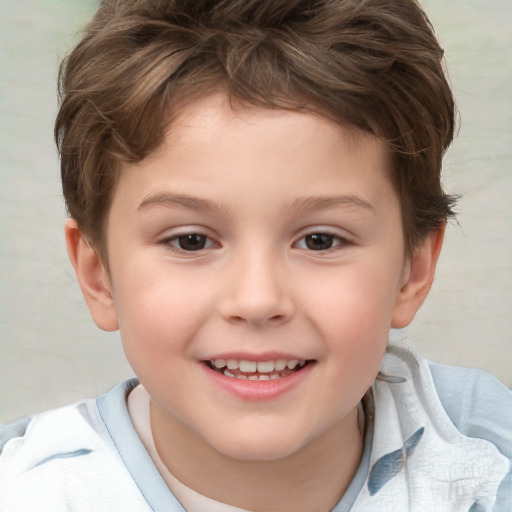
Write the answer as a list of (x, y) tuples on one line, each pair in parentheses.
[(50, 351)]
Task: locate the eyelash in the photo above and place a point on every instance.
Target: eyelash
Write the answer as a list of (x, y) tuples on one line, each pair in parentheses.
[(172, 242), (169, 242), (338, 241)]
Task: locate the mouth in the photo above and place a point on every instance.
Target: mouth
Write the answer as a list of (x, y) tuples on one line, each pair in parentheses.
[(243, 369)]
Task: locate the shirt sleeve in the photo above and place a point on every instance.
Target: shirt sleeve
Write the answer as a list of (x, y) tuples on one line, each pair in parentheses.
[(479, 405)]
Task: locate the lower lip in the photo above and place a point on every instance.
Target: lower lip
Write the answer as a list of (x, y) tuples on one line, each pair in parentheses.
[(258, 390)]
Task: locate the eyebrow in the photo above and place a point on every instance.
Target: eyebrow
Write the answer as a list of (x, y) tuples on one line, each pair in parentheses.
[(172, 200), (319, 203)]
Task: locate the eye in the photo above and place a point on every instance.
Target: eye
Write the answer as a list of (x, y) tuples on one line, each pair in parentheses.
[(190, 242), (320, 242)]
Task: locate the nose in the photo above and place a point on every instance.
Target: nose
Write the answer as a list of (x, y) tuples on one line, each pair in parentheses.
[(256, 291)]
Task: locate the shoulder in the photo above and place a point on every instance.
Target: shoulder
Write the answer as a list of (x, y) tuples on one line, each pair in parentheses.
[(32, 442), (478, 404), (13, 430), (62, 460), (74, 425)]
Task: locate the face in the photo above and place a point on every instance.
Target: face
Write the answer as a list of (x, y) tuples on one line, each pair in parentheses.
[(255, 261)]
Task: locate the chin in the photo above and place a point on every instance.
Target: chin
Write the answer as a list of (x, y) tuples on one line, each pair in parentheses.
[(258, 447)]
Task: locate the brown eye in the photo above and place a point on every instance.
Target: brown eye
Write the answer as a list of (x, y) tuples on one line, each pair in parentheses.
[(319, 241), (192, 242)]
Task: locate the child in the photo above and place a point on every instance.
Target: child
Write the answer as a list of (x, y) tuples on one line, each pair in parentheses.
[(255, 201)]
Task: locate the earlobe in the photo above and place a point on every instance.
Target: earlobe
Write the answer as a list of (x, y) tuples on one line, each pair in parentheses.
[(418, 278), (92, 277)]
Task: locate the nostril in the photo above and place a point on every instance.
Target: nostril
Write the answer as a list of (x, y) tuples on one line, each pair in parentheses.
[(255, 308), (257, 320)]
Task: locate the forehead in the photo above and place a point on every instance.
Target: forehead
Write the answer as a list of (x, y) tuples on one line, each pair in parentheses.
[(214, 145), (201, 118), (223, 124)]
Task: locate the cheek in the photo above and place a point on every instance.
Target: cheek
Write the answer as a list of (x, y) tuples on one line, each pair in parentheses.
[(355, 300), (353, 311), (159, 312)]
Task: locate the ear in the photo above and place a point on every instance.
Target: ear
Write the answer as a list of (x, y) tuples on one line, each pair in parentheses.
[(417, 279), (92, 277)]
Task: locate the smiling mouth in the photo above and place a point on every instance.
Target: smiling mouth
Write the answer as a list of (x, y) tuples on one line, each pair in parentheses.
[(262, 370)]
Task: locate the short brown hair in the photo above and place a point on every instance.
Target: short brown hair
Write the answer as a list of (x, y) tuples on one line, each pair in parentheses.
[(373, 64)]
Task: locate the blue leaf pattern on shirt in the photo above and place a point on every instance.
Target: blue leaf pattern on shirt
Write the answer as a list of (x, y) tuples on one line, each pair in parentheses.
[(476, 507), (389, 465), (65, 455)]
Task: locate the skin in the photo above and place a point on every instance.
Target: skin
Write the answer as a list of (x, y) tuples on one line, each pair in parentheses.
[(256, 185)]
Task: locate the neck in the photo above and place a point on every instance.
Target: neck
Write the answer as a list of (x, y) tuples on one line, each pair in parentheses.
[(312, 479)]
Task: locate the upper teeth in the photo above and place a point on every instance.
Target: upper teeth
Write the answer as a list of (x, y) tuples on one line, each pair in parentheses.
[(260, 366)]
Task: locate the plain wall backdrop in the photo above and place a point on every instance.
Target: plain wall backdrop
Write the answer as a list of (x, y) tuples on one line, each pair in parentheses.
[(51, 353)]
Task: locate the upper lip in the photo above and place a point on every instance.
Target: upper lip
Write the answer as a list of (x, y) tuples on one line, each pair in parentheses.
[(267, 356)]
